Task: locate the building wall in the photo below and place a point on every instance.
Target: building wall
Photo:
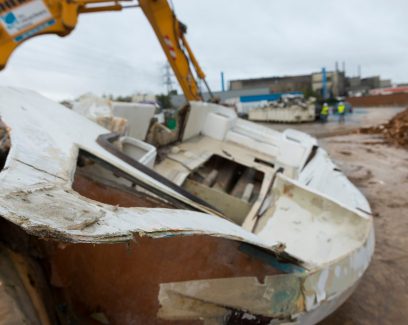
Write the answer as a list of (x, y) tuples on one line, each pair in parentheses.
[(335, 83), (274, 84), (386, 83), (371, 82), (399, 100), (354, 82), (179, 100), (362, 86)]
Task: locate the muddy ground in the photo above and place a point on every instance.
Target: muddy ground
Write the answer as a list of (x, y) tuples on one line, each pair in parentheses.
[(381, 172)]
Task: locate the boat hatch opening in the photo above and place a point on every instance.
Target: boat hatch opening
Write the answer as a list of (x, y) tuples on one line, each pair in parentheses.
[(230, 187), (4, 144), (96, 181), (107, 141)]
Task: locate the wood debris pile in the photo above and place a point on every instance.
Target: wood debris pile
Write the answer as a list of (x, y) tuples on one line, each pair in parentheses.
[(395, 131)]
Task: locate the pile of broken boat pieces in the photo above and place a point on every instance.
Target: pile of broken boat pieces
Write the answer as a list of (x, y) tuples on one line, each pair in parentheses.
[(235, 223)]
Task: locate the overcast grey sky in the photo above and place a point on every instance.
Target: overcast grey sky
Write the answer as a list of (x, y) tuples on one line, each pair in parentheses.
[(118, 53)]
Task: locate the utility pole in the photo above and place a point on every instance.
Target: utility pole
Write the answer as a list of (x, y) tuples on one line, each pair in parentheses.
[(324, 83), (222, 82), (168, 78)]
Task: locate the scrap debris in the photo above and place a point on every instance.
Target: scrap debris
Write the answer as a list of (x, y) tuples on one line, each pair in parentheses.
[(289, 110), (395, 131)]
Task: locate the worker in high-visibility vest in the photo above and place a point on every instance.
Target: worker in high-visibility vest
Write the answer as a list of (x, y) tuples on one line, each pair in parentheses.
[(341, 110), (324, 113)]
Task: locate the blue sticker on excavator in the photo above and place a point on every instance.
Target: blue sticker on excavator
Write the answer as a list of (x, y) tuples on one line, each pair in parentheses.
[(34, 31), (9, 18)]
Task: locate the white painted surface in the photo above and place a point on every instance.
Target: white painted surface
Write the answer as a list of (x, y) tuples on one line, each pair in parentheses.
[(36, 181), (322, 231), (195, 121), (138, 116), (323, 175), (209, 119), (217, 125), (289, 150), (93, 107), (47, 136), (139, 150)]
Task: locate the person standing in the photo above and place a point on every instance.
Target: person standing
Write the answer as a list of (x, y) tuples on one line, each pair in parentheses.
[(324, 113), (341, 110)]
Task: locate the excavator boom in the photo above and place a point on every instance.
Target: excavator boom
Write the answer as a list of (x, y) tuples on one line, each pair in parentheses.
[(21, 20)]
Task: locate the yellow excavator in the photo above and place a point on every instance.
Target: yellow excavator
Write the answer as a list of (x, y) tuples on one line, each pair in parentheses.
[(21, 20)]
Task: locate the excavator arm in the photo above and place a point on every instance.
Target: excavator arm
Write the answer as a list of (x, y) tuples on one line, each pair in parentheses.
[(21, 20)]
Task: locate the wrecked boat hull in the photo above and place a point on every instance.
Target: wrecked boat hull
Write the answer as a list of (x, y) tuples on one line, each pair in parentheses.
[(112, 241), (141, 281)]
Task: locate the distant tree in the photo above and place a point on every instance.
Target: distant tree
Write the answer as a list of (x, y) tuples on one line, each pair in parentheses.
[(164, 101), (126, 99), (107, 96), (310, 93)]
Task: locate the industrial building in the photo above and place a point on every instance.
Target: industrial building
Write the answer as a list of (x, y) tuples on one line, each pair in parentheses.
[(274, 84), (180, 100), (337, 84), (357, 86), (270, 88)]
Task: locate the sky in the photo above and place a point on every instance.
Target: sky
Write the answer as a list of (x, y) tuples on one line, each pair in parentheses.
[(118, 53)]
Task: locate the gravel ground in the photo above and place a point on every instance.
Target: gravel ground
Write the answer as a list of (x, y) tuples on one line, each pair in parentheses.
[(381, 173)]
